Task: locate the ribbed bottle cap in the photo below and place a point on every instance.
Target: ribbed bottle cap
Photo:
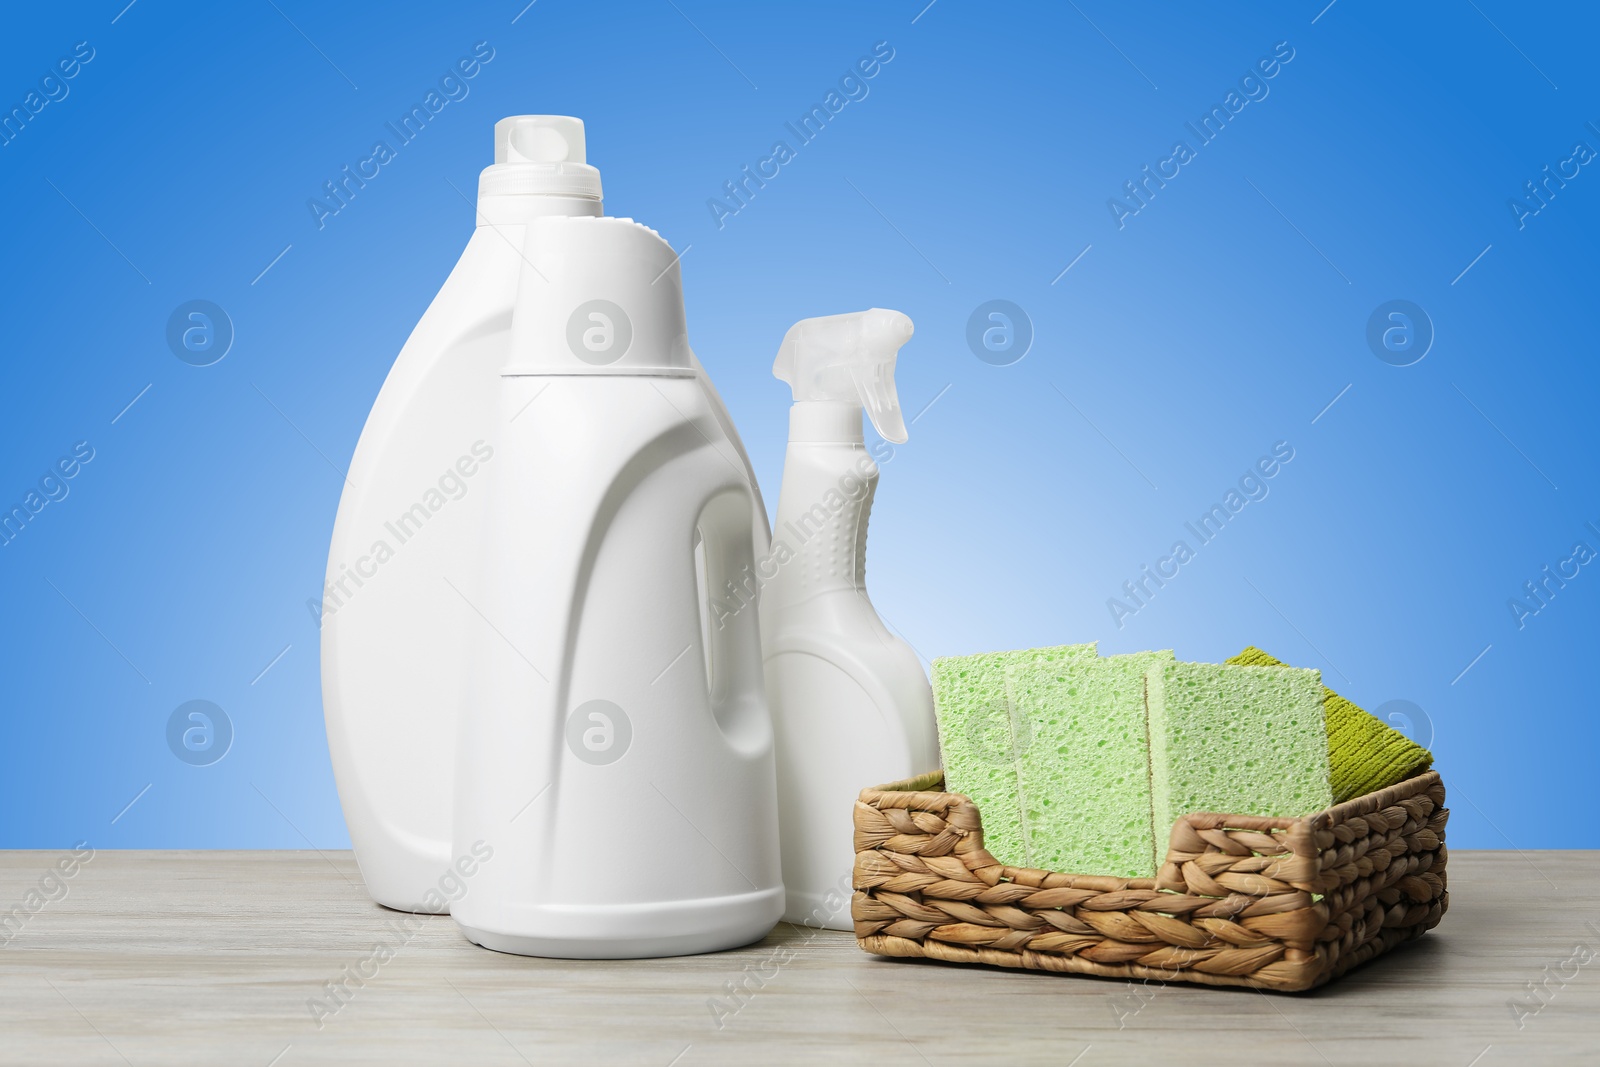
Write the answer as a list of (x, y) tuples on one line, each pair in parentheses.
[(539, 155)]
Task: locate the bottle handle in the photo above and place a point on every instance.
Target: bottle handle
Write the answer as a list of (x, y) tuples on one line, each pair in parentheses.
[(731, 636)]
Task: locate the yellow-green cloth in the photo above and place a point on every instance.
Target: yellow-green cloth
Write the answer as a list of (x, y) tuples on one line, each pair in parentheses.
[(1364, 752)]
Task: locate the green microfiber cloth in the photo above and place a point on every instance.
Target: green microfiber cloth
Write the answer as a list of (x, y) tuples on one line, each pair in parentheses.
[(1364, 752), (987, 708), (1237, 740), (1086, 775)]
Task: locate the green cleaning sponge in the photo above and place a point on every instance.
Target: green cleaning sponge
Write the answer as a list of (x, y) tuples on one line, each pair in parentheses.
[(1085, 776), (1364, 752), (1237, 740), (987, 707)]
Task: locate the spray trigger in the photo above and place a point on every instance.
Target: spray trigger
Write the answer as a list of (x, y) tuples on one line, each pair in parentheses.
[(848, 358)]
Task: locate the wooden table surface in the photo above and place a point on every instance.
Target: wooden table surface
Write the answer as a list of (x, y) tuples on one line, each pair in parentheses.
[(216, 958)]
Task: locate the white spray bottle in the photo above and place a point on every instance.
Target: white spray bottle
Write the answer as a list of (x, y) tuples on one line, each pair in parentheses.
[(851, 705)]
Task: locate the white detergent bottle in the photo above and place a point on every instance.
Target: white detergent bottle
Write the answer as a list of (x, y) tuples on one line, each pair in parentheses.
[(851, 705), (615, 755), (400, 604)]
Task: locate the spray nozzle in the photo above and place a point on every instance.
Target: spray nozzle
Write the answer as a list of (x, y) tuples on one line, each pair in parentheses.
[(848, 358)]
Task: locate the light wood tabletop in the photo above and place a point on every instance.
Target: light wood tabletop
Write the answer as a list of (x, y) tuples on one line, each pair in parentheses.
[(225, 957)]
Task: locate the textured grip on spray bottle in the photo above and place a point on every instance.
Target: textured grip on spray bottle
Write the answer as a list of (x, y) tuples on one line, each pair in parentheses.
[(829, 538)]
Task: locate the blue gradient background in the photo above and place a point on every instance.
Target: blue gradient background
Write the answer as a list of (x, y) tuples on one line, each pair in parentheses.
[(979, 166)]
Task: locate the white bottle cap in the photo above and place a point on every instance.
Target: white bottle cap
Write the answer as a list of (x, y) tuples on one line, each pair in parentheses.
[(540, 155)]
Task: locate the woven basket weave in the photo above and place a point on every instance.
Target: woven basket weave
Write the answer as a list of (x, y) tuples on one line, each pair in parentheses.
[(1276, 904)]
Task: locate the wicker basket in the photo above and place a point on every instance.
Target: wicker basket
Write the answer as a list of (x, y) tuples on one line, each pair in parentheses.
[(1276, 904)]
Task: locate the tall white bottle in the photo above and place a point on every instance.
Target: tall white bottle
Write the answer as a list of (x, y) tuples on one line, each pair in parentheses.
[(400, 607), (851, 705), (616, 751)]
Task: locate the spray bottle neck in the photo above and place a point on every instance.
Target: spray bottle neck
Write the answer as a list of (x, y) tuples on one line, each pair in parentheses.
[(830, 422)]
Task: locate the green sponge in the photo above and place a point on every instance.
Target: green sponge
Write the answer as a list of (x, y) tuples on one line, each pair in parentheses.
[(1364, 752), (987, 706), (1237, 740), (1082, 764), (1086, 775)]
